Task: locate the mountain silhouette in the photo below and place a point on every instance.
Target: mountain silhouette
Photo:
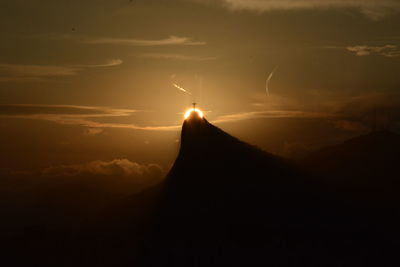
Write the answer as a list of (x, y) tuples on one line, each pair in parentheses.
[(220, 192), (227, 203), (219, 197), (364, 171), (368, 163)]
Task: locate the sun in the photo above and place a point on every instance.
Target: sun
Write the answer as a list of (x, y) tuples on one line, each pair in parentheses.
[(189, 112)]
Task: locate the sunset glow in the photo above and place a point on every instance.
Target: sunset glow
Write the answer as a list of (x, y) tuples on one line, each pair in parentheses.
[(107, 157), (189, 111)]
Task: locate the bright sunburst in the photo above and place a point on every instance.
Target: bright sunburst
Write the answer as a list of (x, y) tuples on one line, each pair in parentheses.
[(189, 111)]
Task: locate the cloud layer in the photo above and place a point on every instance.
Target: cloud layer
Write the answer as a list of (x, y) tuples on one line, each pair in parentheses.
[(168, 41), (19, 70), (141, 173), (69, 193), (27, 71), (350, 114), (175, 57), (271, 114), (84, 116), (374, 9), (119, 177), (365, 50)]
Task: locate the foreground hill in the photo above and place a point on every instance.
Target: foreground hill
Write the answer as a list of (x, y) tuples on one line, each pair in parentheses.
[(366, 163), (224, 203)]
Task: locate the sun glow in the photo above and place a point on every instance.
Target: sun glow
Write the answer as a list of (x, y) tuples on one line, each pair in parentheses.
[(189, 112)]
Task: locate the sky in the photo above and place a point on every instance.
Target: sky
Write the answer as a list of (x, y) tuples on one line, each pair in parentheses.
[(87, 87)]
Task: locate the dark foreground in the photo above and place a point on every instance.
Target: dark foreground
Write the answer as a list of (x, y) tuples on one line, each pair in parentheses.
[(226, 203)]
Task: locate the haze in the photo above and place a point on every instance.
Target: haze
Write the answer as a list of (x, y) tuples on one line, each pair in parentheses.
[(86, 87)]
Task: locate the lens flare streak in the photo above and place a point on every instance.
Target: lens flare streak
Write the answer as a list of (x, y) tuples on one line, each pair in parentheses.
[(269, 80), (182, 89)]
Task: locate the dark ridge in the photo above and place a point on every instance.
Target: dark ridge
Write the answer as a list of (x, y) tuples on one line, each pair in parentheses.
[(368, 161), (226, 203), (212, 161), (365, 172)]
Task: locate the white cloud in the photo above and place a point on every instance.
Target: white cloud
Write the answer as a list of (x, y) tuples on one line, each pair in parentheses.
[(109, 63), (365, 50), (27, 72), (175, 57), (116, 167), (171, 40), (118, 176), (83, 116), (38, 70), (270, 114), (374, 9), (93, 131)]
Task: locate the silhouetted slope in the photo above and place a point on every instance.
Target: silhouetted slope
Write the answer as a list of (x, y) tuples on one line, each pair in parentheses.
[(216, 169), (211, 163), (366, 162), (228, 203), (364, 171)]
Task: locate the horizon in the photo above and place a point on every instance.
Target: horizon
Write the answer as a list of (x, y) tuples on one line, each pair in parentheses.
[(94, 96), (288, 78), (106, 81)]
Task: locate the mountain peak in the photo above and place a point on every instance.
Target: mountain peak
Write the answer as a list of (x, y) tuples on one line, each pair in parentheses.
[(213, 158), (200, 138), (194, 125)]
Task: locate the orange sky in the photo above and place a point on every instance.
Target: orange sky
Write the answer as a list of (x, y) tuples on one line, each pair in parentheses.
[(83, 83)]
